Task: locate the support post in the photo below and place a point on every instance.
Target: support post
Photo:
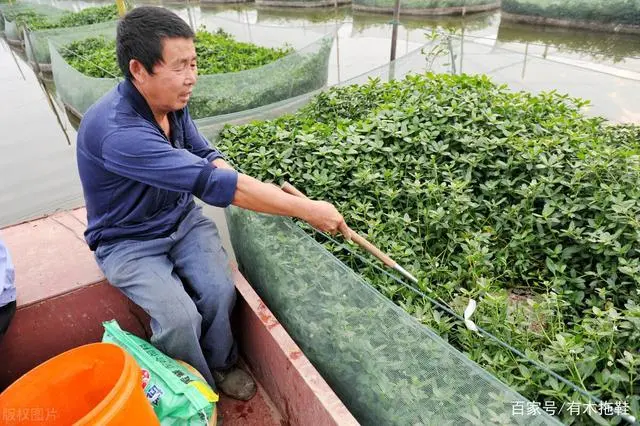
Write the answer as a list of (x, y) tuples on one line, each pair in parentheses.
[(394, 33)]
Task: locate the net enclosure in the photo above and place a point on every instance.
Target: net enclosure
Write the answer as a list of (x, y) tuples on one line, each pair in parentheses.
[(302, 69), (18, 16), (69, 27), (427, 7), (296, 292), (606, 15), (385, 366)]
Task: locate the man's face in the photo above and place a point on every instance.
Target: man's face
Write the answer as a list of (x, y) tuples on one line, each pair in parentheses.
[(169, 87)]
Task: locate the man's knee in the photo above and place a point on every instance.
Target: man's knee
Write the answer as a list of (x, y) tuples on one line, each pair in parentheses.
[(220, 298), (181, 320)]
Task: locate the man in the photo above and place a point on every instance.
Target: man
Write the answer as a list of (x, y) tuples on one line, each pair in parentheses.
[(141, 161), (7, 289)]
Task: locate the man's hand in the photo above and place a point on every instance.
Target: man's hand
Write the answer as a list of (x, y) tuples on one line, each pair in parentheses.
[(325, 217)]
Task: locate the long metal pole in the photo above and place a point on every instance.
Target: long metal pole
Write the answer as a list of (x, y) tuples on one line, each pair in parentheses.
[(462, 46), (453, 55), (524, 63), (394, 33)]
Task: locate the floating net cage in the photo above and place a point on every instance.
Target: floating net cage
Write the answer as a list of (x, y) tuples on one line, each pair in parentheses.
[(37, 42), (427, 7), (480, 55), (210, 127), (613, 15), (217, 2), (299, 16), (14, 16), (302, 3), (384, 365), (304, 70), (76, 25)]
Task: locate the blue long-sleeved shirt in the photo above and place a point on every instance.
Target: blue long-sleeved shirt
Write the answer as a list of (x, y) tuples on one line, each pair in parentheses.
[(138, 184), (7, 277)]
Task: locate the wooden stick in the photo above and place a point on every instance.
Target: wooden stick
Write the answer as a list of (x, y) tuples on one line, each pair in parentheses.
[(358, 239)]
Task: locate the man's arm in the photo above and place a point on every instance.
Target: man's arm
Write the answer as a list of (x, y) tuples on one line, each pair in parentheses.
[(266, 198), (153, 161), (145, 156)]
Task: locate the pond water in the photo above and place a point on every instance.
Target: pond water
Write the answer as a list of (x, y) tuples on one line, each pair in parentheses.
[(38, 157)]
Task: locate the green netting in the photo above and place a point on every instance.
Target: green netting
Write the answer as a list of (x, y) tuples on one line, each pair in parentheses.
[(427, 7), (37, 42), (289, 288), (11, 32), (385, 366), (300, 72), (301, 3), (598, 11), (613, 95), (12, 10), (73, 26), (76, 90), (15, 16), (210, 127), (8, 27)]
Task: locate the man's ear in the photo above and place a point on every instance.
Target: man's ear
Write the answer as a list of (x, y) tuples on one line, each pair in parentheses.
[(138, 71)]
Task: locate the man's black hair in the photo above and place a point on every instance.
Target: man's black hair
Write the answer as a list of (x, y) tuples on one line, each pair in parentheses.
[(141, 33)]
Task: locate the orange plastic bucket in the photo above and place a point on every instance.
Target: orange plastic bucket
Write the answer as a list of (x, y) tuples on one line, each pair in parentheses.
[(95, 384)]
